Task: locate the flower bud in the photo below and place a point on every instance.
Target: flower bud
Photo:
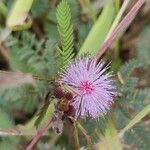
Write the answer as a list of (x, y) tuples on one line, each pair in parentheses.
[(69, 96)]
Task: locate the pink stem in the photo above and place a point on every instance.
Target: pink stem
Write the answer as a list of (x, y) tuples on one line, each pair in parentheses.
[(123, 24), (39, 134)]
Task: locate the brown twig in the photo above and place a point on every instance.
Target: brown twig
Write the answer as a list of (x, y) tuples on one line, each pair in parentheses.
[(39, 134), (121, 27)]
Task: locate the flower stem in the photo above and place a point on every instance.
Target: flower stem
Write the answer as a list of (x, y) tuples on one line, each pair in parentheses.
[(88, 139), (118, 17), (39, 134), (76, 138), (84, 132), (121, 27), (46, 78)]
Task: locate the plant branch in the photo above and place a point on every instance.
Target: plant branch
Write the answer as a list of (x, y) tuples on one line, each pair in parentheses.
[(145, 111), (118, 17), (121, 27), (39, 134), (84, 132), (75, 136), (47, 78), (16, 132)]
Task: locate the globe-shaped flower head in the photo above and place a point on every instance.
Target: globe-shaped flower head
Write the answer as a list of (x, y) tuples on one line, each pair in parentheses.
[(95, 88)]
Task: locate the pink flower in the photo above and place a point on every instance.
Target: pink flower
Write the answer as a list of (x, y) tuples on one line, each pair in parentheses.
[(95, 87)]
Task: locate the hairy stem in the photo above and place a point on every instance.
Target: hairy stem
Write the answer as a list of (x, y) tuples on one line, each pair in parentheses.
[(118, 17), (39, 134), (121, 27)]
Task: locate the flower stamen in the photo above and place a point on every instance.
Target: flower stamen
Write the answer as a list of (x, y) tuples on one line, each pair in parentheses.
[(86, 87)]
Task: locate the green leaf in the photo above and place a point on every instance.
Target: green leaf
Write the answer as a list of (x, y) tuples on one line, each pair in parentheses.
[(99, 31), (25, 54), (23, 98), (136, 119), (3, 9), (7, 143), (39, 7), (138, 137), (66, 32), (5, 119), (42, 113), (31, 124)]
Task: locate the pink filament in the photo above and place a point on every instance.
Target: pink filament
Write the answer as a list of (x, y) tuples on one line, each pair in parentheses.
[(86, 87)]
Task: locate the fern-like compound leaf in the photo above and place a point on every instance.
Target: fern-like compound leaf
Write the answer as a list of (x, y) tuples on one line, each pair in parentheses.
[(66, 32)]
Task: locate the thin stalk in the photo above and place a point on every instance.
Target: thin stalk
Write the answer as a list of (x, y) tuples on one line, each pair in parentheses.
[(76, 137), (16, 132), (117, 61), (118, 17), (121, 27), (84, 132), (145, 111), (47, 78), (89, 141), (39, 134)]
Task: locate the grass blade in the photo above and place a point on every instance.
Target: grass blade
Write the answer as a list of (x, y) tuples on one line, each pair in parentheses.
[(136, 119), (99, 31)]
